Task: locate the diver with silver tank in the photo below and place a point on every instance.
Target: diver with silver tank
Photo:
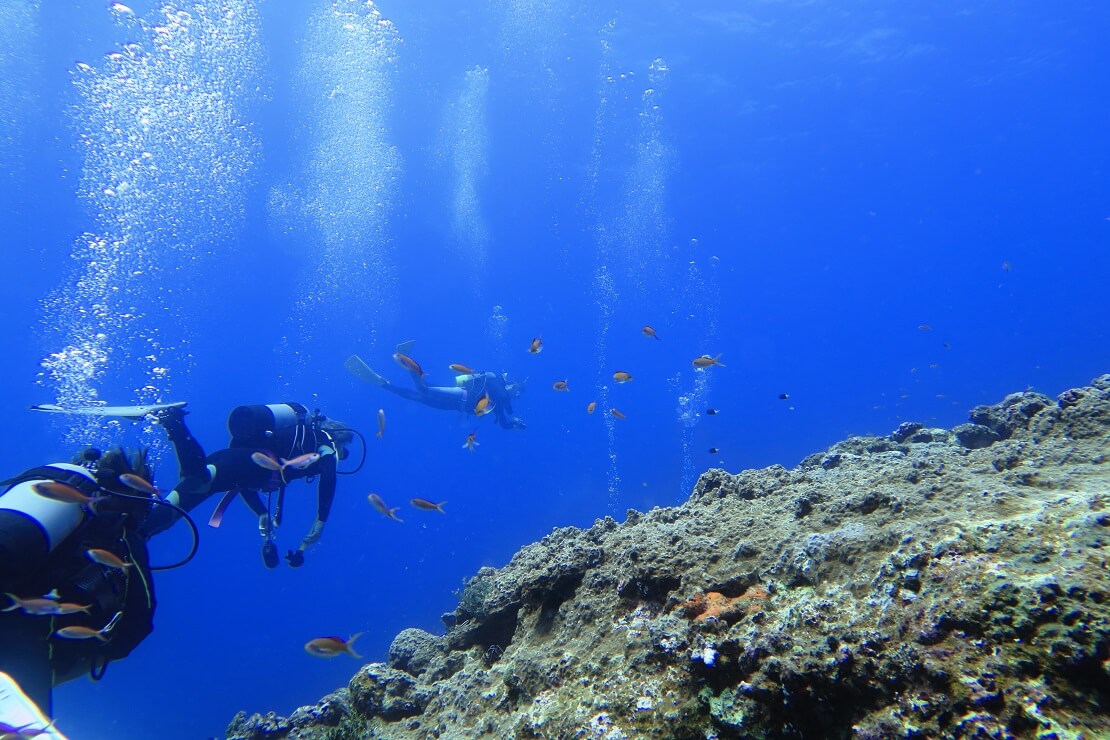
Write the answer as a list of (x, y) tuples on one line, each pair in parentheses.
[(74, 570)]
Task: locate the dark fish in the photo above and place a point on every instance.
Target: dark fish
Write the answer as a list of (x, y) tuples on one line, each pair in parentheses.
[(784, 396), (712, 412), (713, 450)]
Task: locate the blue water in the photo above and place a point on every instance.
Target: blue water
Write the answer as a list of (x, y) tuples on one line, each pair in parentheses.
[(798, 186)]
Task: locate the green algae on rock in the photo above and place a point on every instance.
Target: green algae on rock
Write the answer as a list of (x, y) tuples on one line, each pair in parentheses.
[(929, 584)]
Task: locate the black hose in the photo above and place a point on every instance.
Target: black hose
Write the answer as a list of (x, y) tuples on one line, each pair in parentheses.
[(362, 461), (184, 515)]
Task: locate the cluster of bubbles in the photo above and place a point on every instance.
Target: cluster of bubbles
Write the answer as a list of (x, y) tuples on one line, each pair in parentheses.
[(468, 158), (17, 38), (701, 298), (497, 327), (605, 295), (352, 166), (163, 127), (531, 31)]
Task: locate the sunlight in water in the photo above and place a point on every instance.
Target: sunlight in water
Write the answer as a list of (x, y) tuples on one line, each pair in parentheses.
[(167, 150), (18, 34)]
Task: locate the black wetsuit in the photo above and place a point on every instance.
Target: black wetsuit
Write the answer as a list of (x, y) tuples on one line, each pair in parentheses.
[(232, 469), (29, 651), (463, 397)]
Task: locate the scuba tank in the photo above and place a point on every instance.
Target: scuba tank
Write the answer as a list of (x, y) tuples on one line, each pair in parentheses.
[(31, 526), (259, 423)]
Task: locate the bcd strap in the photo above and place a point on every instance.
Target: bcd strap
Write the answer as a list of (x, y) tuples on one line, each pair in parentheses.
[(59, 475), (280, 505)]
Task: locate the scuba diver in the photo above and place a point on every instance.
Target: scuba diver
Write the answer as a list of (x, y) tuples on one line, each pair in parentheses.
[(270, 446), (466, 395), (74, 571)]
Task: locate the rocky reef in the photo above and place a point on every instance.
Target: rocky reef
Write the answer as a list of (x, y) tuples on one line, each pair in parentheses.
[(933, 583)]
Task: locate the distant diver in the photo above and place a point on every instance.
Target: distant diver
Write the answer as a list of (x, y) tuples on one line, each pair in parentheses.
[(474, 393)]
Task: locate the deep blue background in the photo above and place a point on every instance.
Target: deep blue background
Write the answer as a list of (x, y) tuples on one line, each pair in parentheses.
[(850, 172)]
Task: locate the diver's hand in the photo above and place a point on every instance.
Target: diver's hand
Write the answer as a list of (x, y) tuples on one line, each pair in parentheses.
[(295, 558)]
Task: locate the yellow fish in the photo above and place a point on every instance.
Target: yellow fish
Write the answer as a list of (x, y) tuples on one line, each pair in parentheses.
[(460, 368), (621, 376), (560, 385), (329, 647), (408, 363), (77, 632), (471, 441), (107, 559), (378, 503), (705, 361), (138, 483), (591, 406), (67, 494), (484, 405)]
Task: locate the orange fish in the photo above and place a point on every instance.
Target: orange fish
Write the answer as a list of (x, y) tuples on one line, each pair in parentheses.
[(471, 441), (617, 414), (107, 559), (377, 502), (460, 368), (408, 363), (484, 405), (36, 606), (67, 494), (705, 361), (77, 632), (300, 462), (537, 346), (68, 608), (426, 505), (381, 423), (560, 385), (263, 460), (648, 331), (138, 483), (591, 406), (621, 376), (329, 647)]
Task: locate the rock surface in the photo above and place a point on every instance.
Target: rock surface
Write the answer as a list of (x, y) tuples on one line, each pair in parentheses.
[(930, 584)]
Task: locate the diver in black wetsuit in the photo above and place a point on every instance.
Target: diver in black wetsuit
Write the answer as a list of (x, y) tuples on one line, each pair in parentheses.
[(64, 613), (283, 431), (463, 396)]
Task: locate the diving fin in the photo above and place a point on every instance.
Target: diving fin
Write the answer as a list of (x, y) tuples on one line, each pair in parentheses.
[(355, 366), (405, 347), (122, 412)]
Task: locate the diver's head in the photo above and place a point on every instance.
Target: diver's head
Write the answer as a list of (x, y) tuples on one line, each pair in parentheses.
[(341, 434), (107, 467)]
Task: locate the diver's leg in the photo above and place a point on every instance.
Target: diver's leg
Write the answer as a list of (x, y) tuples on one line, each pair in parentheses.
[(189, 493), (191, 460)]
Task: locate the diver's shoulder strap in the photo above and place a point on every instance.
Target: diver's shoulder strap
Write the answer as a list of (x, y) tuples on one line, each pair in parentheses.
[(82, 483)]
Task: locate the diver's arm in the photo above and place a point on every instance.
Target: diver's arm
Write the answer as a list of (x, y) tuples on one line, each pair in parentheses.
[(324, 498)]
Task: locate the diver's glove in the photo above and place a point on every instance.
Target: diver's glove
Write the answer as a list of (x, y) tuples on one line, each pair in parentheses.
[(295, 558), (270, 554)]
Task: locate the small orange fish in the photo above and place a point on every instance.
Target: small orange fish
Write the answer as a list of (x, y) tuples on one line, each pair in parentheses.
[(329, 647), (621, 376), (705, 361), (107, 559), (381, 423), (77, 632), (377, 502), (649, 331), (560, 385), (537, 346), (408, 363), (484, 405), (68, 608), (300, 462), (36, 606), (617, 414), (460, 368), (426, 505), (471, 441), (138, 483), (67, 494), (263, 460), (591, 406)]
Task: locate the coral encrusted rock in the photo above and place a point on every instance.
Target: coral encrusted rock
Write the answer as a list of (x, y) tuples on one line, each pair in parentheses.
[(929, 584)]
